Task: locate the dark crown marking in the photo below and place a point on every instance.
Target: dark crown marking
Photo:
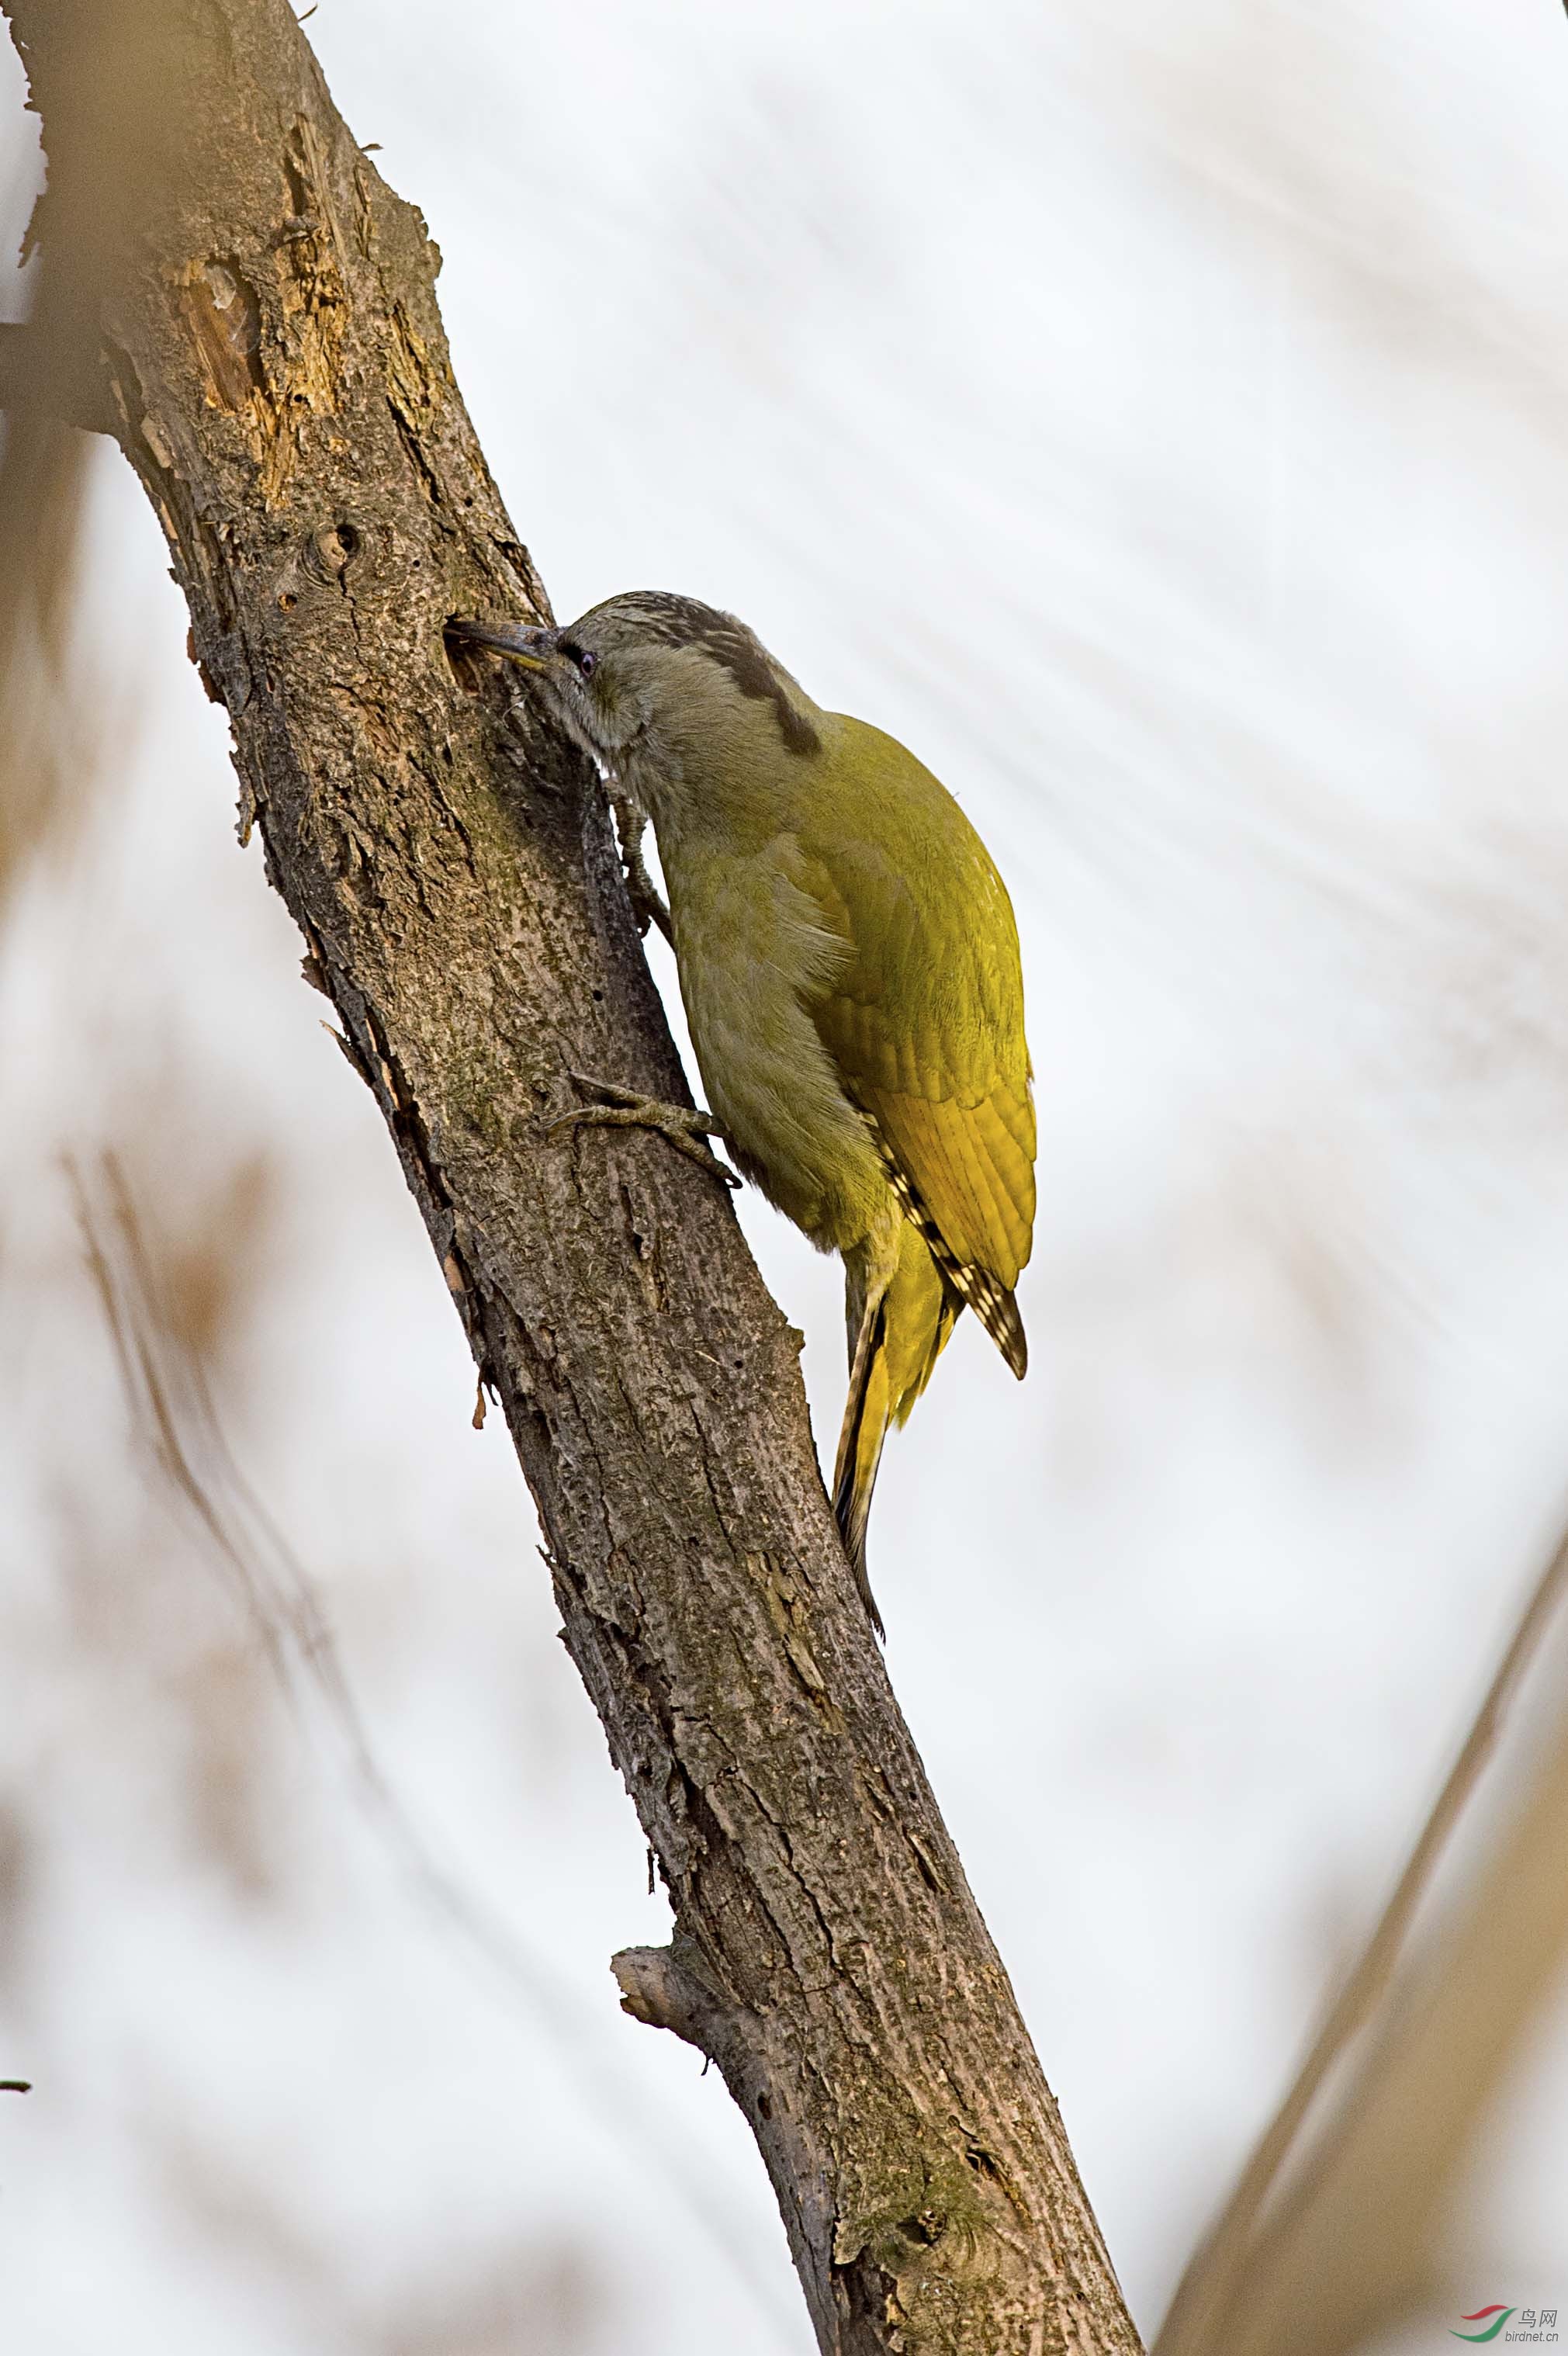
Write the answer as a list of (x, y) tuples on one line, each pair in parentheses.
[(687, 621)]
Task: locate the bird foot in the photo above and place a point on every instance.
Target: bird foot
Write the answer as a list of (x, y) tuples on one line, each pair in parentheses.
[(678, 1125), (647, 905)]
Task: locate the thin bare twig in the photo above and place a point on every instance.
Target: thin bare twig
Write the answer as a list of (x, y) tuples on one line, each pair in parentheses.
[(175, 1413)]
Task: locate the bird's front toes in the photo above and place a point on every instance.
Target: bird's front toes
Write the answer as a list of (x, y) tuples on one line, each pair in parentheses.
[(678, 1125), (609, 1092), (694, 1150), (648, 908)]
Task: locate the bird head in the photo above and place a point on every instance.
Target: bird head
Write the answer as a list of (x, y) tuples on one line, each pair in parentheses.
[(646, 679)]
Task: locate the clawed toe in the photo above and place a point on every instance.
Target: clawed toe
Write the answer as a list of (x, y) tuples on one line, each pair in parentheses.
[(611, 1092), (622, 1107), (647, 905)]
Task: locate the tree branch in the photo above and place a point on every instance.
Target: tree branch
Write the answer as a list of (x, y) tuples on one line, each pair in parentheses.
[(261, 316)]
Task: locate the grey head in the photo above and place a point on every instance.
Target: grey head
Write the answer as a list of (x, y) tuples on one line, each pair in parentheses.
[(636, 680)]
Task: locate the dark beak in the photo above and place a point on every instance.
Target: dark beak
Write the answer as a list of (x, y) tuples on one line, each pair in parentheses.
[(517, 640)]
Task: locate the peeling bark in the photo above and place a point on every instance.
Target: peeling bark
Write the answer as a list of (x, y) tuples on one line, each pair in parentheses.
[(259, 325)]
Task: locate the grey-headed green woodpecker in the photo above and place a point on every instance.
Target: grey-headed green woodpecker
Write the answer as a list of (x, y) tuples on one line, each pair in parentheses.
[(849, 966)]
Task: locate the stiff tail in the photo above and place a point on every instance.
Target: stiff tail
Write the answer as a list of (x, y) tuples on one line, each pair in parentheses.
[(860, 1438), (899, 1332)]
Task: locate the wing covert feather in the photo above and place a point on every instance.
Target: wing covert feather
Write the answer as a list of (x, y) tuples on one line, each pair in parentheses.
[(924, 1018)]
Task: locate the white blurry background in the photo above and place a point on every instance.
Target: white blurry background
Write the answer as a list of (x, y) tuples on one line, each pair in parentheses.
[(1158, 417)]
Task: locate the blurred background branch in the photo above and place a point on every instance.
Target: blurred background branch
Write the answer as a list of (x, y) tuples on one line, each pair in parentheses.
[(51, 386), (46, 734), (165, 1310), (1365, 2239), (1329, 2235)]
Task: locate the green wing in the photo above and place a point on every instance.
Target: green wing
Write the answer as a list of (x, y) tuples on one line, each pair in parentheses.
[(924, 1021)]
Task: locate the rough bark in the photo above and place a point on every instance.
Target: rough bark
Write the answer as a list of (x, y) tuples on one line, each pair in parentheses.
[(262, 330)]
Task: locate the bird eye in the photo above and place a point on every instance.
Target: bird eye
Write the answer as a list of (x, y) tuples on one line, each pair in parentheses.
[(586, 660)]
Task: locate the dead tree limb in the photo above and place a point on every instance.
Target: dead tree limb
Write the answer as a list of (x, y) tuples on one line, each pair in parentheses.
[(261, 328)]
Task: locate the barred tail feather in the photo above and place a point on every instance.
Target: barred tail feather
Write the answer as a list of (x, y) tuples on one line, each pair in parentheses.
[(975, 1286), (998, 1312)]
